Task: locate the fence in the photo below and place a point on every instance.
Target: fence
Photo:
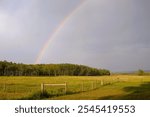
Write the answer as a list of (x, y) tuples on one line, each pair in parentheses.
[(77, 87), (43, 86), (15, 91)]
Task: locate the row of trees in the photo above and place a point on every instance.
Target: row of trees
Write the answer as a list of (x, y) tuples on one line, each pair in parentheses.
[(14, 69)]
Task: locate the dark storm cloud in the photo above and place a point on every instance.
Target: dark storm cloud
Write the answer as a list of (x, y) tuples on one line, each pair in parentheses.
[(112, 34)]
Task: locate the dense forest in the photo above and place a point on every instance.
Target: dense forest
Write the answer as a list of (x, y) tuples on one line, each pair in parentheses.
[(19, 69)]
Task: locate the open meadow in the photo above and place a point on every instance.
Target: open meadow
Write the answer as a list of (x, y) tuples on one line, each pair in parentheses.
[(77, 87)]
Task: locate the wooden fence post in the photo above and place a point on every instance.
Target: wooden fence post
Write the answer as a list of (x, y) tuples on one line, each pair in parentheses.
[(96, 84), (42, 88), (4, 87), (65, 88), (92, 85), (102, 83), (82, 86), (118, 79), (141, 79)]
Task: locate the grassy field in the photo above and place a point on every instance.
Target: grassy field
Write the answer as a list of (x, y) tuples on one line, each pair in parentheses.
[(78, 87)]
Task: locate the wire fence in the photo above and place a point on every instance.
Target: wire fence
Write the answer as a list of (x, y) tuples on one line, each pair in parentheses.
[(17, 91)]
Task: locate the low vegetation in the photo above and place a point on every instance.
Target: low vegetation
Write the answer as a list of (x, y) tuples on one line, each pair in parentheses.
[(78, 87)]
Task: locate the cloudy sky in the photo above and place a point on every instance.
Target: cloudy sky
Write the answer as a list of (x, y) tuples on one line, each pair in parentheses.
[(111, 34)]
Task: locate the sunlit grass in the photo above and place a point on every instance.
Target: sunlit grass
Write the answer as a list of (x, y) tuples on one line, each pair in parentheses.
[(78, 87)]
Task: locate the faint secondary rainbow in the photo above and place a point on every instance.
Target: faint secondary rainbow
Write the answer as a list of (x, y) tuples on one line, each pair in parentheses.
[(56, 31)]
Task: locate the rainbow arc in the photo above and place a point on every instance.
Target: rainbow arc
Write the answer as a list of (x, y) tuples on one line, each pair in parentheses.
[(57, 30)]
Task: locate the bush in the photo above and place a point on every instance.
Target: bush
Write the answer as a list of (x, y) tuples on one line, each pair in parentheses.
[(140, 72), (38, 95)]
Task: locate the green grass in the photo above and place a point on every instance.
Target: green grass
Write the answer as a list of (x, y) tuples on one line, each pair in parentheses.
[(78, 87)]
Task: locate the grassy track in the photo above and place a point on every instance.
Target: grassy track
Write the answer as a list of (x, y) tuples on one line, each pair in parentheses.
[(115, 87)]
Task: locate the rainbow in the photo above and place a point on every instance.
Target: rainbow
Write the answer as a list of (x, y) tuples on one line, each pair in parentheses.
[(56, 31)]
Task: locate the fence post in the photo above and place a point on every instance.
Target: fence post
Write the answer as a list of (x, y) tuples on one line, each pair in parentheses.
[(118, 79), (96, 84), (92, 85), (82, 86), (65, 88), (102, 82), (142, 79), (42, 88), (4, 87)]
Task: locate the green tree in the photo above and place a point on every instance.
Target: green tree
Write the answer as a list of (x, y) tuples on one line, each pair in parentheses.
[(16, 69), (140, 72)]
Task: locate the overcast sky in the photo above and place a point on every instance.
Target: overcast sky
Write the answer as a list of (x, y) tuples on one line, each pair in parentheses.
[(111, 34)]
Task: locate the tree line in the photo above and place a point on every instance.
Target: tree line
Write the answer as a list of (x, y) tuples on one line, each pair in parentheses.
[(19, 69)]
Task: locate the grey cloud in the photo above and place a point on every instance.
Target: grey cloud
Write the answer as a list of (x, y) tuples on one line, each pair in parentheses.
[(112, 34)]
